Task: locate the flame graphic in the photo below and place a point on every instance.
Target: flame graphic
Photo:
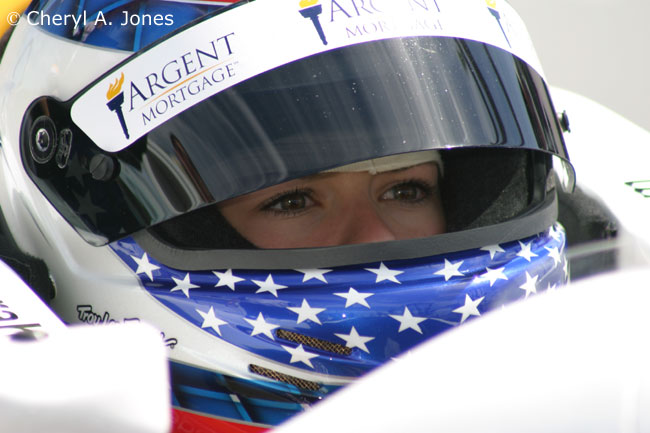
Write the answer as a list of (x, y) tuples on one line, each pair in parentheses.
[(491, 3), (307, 3), (115, 88)]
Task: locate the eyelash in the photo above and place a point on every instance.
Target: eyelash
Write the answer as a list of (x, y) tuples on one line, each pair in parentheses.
[(425, 187), (277, 198)]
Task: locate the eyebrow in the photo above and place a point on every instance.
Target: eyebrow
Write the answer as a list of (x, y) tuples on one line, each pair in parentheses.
[(320, 175)]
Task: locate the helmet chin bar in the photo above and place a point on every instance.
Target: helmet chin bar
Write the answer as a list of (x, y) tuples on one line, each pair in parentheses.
[(307, 330)]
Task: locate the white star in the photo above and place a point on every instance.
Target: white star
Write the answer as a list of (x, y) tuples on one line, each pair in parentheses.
[(211, 321), (551, 288), (260, 326), (305, 312), (227, 279), (269, 285), (530, 286), (145, 266), (407, 321), (565, 268), (554, 253), (493, 275), (451, 270), (353, 339), (354, 297), (493, 249), (317, 274), (183, 285), (383, 273), (469, 309), (525, 251), (298, 354), (555, 234)]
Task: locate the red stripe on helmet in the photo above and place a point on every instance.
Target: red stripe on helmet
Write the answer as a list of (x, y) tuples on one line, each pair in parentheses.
[(186, 422)]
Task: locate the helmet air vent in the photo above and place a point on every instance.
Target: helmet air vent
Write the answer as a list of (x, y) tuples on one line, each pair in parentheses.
[(285, 378), (315, 343)]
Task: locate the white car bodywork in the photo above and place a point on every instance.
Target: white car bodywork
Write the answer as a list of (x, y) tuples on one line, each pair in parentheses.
[(82, 378)]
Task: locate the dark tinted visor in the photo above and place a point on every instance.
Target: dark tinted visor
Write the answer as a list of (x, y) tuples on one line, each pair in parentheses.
[(335, 108)]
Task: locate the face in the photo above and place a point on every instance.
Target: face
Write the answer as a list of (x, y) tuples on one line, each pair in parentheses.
[(330, 209)]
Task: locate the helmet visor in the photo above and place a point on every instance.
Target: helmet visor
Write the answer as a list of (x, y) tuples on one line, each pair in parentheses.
[(330, 109)]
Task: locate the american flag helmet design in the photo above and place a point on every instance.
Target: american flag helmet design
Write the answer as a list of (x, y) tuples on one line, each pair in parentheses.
[(345, 321)]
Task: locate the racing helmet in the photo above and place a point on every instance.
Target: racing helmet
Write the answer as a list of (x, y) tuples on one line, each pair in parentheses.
[(132, 121)]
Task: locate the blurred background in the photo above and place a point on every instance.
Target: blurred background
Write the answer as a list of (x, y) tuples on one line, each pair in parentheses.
[(597, 48)]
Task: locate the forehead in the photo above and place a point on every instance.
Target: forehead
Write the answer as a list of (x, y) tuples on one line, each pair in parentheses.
[(427, 169)]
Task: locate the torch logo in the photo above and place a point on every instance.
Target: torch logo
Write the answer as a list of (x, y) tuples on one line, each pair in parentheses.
[(492, 6), (311, 9), (115, 98)]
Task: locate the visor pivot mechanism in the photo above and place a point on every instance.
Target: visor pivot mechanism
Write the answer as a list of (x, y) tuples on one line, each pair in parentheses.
[(42, 140), (65, 144), (102, 167)]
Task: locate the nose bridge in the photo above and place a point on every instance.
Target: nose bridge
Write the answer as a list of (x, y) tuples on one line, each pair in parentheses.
[(364, 223)]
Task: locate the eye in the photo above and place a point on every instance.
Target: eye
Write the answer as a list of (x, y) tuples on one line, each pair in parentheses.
[(408, 192), (289, 203)]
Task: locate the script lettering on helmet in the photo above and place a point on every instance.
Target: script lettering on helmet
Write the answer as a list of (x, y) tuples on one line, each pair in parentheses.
[(169, 342), (86, 314), (10, 321)]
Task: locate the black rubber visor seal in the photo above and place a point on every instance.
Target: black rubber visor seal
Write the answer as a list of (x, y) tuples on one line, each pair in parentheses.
[(532, 223)]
